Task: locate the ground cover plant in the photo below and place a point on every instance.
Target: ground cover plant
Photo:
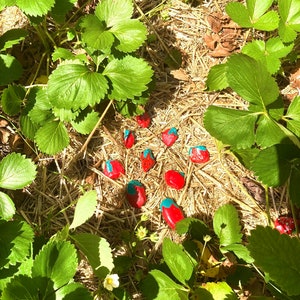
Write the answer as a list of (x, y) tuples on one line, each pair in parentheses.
[(150, 207)]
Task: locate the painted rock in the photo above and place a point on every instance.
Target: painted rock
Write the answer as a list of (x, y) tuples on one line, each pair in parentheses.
[(128, 138), (199, 154), (147, 160), (135, 193), (175, 179), (171, 212), (285, 225), (169, 136), (144, 120), (113, 169)]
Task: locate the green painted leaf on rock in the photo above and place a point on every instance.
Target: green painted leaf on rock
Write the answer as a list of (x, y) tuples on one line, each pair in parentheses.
[(7, 207), (227, 226), (276, 254), (177, 260), (16, 171), (15, 242), (35, 8), (233, 127), (52, 137), (85, 208), (74, 86), (129, 77), (57, 261)]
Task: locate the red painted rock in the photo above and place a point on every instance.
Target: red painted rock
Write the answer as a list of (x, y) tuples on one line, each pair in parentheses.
[(171, 212), (199, 154), (136, 194), (113, 169), (175, 179), (144, 120), (169, 136), (147, 160), (128, 138), (285, 225)]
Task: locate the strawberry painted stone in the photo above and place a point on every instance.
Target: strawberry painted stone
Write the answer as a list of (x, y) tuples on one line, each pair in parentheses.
[(169, 136), (147, 160), (171, 212), (113, 169), (175, 179), (199, 154), (128, 138), (285, 224), (144, 120), (136, 194)]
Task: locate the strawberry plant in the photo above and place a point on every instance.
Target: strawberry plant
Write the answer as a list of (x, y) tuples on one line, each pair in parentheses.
[(107, 71)]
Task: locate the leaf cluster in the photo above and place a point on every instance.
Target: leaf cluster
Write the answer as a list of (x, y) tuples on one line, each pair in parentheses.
[(107, 69)]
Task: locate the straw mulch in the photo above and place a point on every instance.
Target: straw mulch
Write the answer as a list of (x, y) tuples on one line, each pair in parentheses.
[(178, 100)]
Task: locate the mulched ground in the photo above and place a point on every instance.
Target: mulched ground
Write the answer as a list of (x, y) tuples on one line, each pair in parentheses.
[(204, 36)]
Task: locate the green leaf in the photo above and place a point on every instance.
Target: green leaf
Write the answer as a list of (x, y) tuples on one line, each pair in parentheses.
[(245, 156), (73, 291), (7, 207), (57, 261), (240, 251), (293, 187), (194, 227), (35, 8), (95, 34), (267, 22), (74, 86), (10, 69), (177, 260), (239, 14), (52, 137), (216, 78), (289, 24), (233, 127), (11, 99), (251, 80), (114, 12), (65, 115), (269, 132), (16, 171), (257, 8), (22, 287), (85, 208), (98, 252), (86, 121), (159, 286), (60, 9), (28, 127), (62, 53), (12, 37), (130, 34), (276, 255), (273, 165), (227, 226), (292, 116), (15, 242), (220, 290), (268, 53), (129, 77)]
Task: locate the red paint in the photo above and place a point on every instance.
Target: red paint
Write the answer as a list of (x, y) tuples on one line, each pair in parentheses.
[(175, 179), (169, 136), (147, 160), (113, 169), (136, 194), (144, 120), (199, 154), (171, 212)]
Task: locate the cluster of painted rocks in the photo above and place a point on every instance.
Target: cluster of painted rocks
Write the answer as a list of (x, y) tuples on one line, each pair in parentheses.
[(135, 190)]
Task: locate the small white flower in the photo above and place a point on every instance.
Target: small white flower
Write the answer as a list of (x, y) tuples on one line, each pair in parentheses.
[(111, 281)]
